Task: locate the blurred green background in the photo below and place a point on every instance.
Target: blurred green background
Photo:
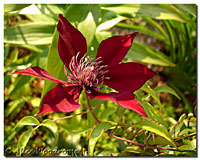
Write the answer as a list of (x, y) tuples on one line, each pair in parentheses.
[(166, 44)]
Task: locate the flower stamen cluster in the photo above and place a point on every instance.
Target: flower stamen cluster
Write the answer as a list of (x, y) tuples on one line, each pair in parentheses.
[(87, 72)]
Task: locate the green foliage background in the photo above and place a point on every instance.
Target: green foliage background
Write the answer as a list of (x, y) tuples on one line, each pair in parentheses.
[(169, 99)]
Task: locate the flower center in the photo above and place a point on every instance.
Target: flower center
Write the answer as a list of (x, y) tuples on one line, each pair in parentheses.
[(87, 72)]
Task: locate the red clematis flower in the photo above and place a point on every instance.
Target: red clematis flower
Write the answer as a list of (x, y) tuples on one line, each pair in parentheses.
[(87, 73)]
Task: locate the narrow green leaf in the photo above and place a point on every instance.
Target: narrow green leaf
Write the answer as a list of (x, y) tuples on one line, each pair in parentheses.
[(154, 115), (35, 33), (166, 89), (28, 120), (151, 92), (107, 112), (21, 82), (51, 125), (14, 7), (12, 106), (157, 11), (142, 29), (8, 136), (95, 135), (143, 53), (23, 141), (6, 50), (190, 8), (156, 25), (155, 128), (171, 39), (110, 23)]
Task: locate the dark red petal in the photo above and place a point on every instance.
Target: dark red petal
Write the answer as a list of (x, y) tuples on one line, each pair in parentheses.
[(114, 49), (70, 42), (40, 73), (128, 76), (124, 99), (61, 99)]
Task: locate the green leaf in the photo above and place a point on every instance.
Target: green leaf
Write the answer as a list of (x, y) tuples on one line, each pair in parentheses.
[(107, 112), (157, 140), (14, 7), (142, 29), (28, 120), (151, 92), (102, 35), (54, 65), (110, 23), (20, 82), (189, 144), (157, 11), (153, 114), (35, 33), (84, 16), (156, 25), (53, 9), (51, 125), (95, 135), (6, 51), (166, 89), (190, 8), (23, 140), (12, 106), (171, 39), (143, 53), (8, 136), (155, 128)]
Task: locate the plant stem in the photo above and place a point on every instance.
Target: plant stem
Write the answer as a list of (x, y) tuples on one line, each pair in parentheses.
[(91, 110), (143, 145), (77, 113), (71, 116)]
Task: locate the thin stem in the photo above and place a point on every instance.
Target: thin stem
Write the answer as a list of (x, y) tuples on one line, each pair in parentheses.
[(77, 113), (143, 145), (91, 110), (116, 125), (71, 116)]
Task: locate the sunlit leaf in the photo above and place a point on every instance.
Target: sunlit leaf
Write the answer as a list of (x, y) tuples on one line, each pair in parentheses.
[(28, 120), (51, 125), (191, 8), (142, 29), (157, 140), (151, 92), (14, 7), (23, 141), (35, 33), (157, 11), (110, 23), (95, 135), (143, 53), (155, 128), (153, 114), (166, 89)]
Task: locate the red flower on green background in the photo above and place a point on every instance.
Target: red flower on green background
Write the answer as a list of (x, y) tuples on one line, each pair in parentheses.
[(90, 73)]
